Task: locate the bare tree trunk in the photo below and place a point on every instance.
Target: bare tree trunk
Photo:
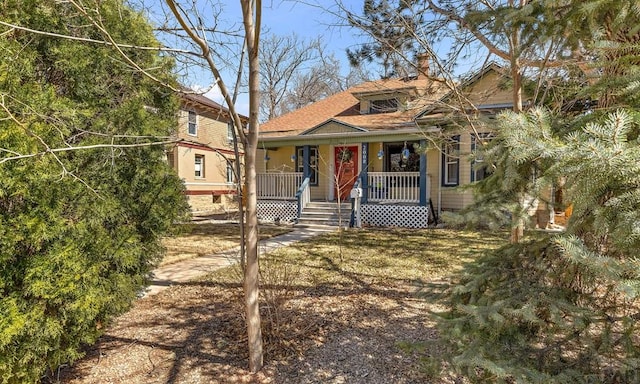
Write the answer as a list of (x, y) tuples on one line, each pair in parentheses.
[(251, 273), (238, 166)]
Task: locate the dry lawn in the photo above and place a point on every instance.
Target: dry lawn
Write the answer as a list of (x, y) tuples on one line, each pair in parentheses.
[(200, 239), (336, 309)]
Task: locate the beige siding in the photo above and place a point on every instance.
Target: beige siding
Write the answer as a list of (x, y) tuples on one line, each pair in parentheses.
[(375, 164), (208, 192), (215, 169), (261, 163), (433, 171), (364, 106), (323, 190), (489, 90), (210, 131), (451, 198), (279, 160), (333, 128)]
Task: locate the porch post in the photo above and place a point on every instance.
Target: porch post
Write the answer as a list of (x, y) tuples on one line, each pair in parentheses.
[(423, 173), (364, 179), (306, 162)]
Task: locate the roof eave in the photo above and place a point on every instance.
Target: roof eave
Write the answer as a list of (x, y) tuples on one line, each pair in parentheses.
[(347, 138)]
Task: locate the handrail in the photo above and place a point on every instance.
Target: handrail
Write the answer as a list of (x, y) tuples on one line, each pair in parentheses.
[(303, 195)]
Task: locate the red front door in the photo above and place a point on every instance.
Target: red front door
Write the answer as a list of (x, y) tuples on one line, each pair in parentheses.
[(345, 170)]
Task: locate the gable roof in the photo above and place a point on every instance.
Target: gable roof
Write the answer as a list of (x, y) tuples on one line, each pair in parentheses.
[(344, 108), (318, 128), (444, 105)]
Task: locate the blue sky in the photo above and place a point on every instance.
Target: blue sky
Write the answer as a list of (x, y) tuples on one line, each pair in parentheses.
[(308, 20), (285, 17)]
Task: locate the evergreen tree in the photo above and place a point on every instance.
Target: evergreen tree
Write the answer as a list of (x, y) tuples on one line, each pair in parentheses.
[(562, 308), (391, 27), (79, 229)]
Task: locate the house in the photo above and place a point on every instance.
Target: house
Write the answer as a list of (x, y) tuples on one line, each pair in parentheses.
[(403, 141), (204, 155)]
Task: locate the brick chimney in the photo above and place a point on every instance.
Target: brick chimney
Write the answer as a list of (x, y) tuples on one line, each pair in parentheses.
[(423, 66)]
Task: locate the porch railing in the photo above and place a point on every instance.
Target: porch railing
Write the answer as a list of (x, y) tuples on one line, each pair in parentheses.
[(401, 187), (278, 185)]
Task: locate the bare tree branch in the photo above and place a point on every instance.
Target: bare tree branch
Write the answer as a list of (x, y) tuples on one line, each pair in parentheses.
[(206, 54), (84, 147), (93, 41)]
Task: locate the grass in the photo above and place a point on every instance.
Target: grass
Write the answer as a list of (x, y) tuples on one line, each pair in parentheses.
[(383, 256), (195, 240)]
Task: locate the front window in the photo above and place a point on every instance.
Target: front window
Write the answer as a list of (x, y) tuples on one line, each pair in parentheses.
[(313, 163), (199, 166), (192, 128), (479, 169), (402, 157), (451, 162)]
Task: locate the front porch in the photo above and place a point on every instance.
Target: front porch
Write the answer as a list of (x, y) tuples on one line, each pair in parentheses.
[(388, 198)]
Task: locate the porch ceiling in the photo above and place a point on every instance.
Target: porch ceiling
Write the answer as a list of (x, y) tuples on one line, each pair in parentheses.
[(347, 138)]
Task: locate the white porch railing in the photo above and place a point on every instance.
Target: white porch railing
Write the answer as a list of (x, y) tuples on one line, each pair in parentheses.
[(401, 187), (278, 185)]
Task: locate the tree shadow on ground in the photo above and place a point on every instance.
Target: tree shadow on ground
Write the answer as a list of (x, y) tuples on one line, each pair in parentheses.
[(336, 322), (196, 333)]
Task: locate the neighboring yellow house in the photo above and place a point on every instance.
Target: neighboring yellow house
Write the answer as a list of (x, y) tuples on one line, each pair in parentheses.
[(396, 138), (204, 158)]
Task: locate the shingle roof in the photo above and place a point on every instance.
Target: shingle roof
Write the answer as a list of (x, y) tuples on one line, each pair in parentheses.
[(345, 107)]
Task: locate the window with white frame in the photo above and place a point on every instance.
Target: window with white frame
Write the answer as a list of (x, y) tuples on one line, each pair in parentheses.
[(230, 172), (479, 169), (313, 163), (230, 131), (199, 166), (192, 123), (451, 162)]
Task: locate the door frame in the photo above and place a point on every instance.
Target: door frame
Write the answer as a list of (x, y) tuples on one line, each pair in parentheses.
[(332, 175)]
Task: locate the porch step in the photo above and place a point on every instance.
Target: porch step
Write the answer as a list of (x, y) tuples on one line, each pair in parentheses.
[(325, 213)]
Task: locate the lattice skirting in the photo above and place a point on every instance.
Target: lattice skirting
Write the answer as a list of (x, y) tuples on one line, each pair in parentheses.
[(405, 216), (277, 210)]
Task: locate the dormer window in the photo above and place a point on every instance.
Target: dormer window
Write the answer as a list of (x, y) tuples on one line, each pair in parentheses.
[(383, 106)]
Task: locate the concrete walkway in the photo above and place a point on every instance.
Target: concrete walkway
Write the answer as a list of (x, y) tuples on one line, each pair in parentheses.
[(186, 270)]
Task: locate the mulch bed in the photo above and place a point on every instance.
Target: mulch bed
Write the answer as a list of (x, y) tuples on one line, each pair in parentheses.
[(195, 333)]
